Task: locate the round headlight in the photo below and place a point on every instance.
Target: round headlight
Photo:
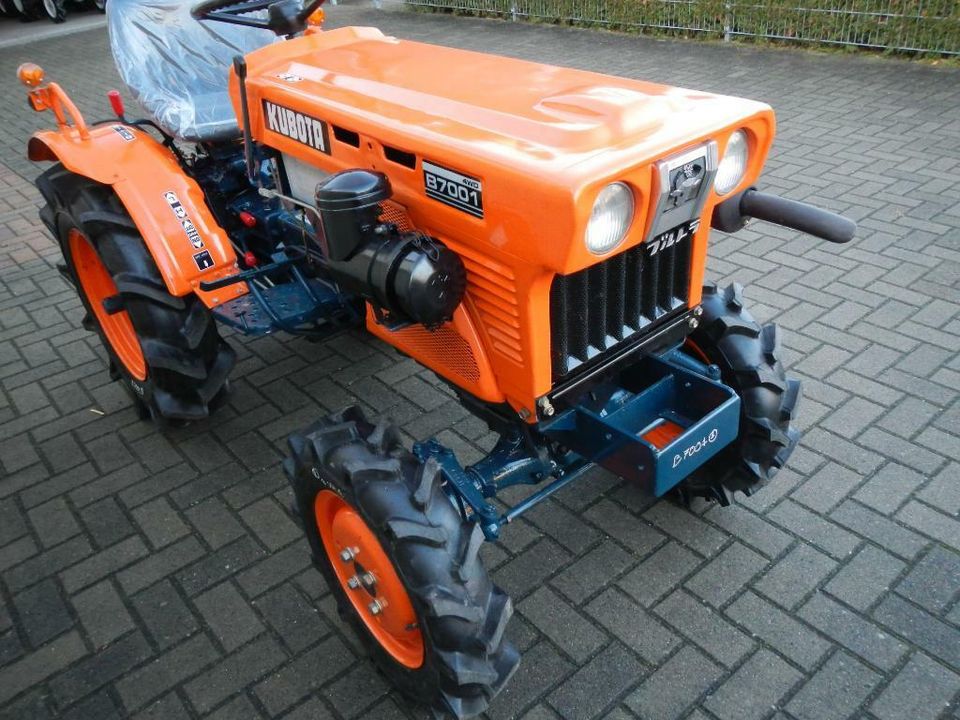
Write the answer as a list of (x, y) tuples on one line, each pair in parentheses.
[(734, 164), (611, 216)]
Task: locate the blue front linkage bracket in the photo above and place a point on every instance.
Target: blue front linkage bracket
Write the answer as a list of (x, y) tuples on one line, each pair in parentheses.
[(613, 425)]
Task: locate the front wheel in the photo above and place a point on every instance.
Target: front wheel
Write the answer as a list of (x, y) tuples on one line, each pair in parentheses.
[(402, 564), (748, 355)]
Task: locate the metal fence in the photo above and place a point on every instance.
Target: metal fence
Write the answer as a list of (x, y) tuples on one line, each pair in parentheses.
[(925, 26)]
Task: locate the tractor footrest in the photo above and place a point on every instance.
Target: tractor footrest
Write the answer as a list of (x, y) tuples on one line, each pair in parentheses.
[(655, 423), (282, 306)]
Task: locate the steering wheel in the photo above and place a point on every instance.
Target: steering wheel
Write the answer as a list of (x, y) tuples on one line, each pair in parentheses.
[(284, 17)]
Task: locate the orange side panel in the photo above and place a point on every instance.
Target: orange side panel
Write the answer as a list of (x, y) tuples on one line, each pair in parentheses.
[(453, 351), (166, 205)]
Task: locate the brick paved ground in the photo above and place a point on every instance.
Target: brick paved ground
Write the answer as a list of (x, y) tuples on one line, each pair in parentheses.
[(157, 576)]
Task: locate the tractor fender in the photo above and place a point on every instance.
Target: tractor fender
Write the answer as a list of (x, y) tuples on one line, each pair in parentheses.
[(167, 206)]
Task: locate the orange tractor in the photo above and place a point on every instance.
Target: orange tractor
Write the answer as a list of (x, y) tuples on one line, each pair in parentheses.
[(536, 236)]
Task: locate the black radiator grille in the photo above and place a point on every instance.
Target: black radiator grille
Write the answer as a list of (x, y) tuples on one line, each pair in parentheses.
[(598, 307)]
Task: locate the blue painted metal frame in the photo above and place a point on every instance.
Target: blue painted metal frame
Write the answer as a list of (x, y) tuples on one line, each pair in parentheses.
[(605, 427)]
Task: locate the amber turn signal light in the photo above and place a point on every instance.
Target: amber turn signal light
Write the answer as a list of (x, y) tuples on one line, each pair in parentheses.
[(316, 18), (30, 74)]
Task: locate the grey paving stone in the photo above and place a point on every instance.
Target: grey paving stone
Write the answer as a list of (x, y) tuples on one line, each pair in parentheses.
[(943, 491), (36, 667), (233, 673), (836, 691), (887, 534), (675, 686), (100, 668), (165, 614), (270, 523), (292, 617), (686, 527), (560, 622), (659, 573), (542, 669), (102, 613), (889, 487), (754, 689), (633, 626), (593, 571), (815, 529), (563, 526), (827, 487), (705, 628), (920, 691), (228, 615), (796, 575), (853, 632), (291, 683), (598, 684), (42, 612), (934, 581), (750, 528), (725, 575), (53, 522), (929, 522), (865, 578), (920, 628), (159, 522), (104, 563), (356, 690), (528, 570), (779, 630)]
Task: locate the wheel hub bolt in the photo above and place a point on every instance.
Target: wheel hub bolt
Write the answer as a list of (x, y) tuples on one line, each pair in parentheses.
[(694, 323), (377, 607), (353, 583), (368, 579), (698, 311), (348, 554)]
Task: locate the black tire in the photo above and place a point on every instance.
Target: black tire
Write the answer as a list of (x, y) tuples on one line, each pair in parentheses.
[(186, 360), (462, 615), (748, 356), (54, 10)]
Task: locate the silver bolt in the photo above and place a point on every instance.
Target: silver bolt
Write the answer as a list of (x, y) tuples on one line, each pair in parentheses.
[(348, 554), (546, 407), (698, 311), (368, 579), (376, 607), (353, 583), (694, 323)]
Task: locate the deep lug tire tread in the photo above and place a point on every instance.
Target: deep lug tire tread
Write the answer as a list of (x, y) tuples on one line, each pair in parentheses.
[(748, 355), (187, 361), (463, 615)]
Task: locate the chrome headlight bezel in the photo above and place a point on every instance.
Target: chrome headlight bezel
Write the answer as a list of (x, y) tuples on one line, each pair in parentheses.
[(610, 219), (733, 166)]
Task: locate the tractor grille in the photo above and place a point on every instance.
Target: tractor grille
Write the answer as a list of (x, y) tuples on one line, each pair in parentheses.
[(596, 308)]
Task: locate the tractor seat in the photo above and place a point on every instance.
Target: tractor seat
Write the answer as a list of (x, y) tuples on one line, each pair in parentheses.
[(178, 67)]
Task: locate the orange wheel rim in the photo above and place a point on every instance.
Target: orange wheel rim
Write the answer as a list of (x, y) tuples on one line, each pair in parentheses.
[(97, 285), (369, 579)]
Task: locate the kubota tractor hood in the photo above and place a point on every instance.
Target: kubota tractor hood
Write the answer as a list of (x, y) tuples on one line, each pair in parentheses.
[(537, 140)]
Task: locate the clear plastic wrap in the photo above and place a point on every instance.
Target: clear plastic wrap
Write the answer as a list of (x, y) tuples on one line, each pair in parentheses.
[(177, 67)]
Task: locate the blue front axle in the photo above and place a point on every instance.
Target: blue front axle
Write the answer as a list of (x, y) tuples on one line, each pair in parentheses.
[(614, 425)]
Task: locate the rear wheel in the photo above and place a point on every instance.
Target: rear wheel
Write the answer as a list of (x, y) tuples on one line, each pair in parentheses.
[(748, 356), (165, 349), (402, 564)]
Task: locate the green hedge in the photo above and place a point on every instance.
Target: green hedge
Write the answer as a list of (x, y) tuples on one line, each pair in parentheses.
[(926, 26)]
